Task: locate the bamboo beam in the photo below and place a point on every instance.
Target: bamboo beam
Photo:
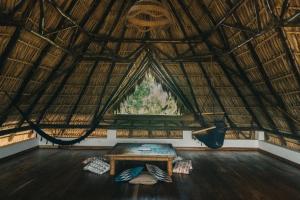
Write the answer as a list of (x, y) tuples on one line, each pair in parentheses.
[(82, 91), (14, 38), (135, 77), (263, 73), (199, 64), (75, 60), (42, 16), (34, 68), (171, 81), (87, 81), (202, 119), (257, 15), (103, 38), (291, 59), (244, 77), (166, 83), (98, 115), (221, 64), (284, 8), (54, 74)]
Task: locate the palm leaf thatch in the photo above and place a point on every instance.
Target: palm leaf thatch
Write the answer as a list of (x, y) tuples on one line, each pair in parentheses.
[(66, 63)]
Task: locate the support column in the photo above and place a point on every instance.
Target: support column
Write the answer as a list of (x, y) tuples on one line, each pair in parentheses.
[(260, 135)]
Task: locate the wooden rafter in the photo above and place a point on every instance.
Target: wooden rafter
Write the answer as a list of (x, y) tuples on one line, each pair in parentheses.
[(265, 77), (32, 70), (223, 66)]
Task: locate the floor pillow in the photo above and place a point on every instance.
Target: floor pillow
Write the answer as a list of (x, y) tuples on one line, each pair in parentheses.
[(97, 166), (158, 173), (129, 174), (183, 167), (90, 159), (145, 178)]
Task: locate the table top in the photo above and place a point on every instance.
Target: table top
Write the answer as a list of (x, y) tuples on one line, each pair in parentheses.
[(143, 149)]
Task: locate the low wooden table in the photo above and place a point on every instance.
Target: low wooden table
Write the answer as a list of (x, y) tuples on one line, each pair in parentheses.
[(142, 152)]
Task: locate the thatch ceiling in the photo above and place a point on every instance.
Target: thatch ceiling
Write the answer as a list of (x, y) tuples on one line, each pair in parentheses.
[(64, 61)]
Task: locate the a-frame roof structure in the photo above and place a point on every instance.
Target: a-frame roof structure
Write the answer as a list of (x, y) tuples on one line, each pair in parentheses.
[(65, 63)]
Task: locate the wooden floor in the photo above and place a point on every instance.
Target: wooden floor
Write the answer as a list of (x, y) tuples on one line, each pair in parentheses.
[(57, 174)]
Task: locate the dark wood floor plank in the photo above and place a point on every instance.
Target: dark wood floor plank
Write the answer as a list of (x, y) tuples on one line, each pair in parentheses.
[(57, 174)]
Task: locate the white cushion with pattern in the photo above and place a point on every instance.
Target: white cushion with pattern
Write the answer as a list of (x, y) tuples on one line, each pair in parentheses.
[(97, 166), (183, 167)]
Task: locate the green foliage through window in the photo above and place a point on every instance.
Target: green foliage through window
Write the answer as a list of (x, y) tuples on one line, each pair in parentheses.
[(149, 98)]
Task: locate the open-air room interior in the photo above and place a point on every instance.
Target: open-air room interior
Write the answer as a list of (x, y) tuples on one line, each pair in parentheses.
[(149, 99)]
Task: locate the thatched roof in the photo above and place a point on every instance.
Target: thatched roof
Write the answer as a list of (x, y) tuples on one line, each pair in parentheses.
[(63, 61)]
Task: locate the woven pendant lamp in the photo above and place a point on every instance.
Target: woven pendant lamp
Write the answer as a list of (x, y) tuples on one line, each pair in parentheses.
[(146, 15)]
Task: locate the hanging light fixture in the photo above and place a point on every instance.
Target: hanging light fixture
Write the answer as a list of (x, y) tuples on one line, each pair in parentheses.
[(146, 15)]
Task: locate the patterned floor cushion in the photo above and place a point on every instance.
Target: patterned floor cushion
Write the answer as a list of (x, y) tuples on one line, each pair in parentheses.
[(145, 178), (183, 167), (97, 166), (158, 173), (90, 159), (129, 174)]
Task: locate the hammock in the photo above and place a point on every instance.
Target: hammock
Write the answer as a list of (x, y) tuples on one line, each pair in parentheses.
[(215, 135), (213, 139), (54, 140)]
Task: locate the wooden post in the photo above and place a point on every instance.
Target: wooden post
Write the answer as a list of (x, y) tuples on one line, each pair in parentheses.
[(112, 166), (170, 166)]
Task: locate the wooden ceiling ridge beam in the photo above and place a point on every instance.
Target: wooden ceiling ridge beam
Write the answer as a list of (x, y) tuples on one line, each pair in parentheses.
[(120, 59), (76, 59), (199, 64), (76, 53), (264, 74), (30, 73), (159, 51), (222, 65)]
